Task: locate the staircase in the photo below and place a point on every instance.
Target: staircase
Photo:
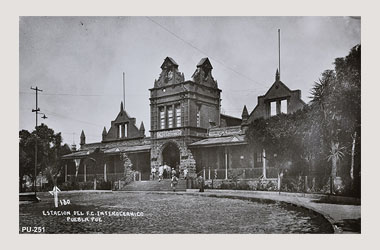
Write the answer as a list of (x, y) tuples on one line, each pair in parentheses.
[(155, 185)]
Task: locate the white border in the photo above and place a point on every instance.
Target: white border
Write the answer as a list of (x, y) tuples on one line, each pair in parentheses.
[(9, 65)]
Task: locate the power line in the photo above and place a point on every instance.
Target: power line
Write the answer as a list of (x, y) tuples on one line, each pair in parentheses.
[(204, 53), (91, 95), (66, 117)]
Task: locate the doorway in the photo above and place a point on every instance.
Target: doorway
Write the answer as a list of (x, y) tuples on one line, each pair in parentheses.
[(171, 155)]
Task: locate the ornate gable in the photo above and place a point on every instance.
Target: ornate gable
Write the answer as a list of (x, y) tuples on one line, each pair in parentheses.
[(203, 73), (169, 73), (123, 127)]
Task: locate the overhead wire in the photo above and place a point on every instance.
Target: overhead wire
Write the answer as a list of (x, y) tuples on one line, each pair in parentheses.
[(204, 53)]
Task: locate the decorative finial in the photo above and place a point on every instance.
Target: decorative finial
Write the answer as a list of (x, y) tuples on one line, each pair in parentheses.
[(277, 76), (82, 138), (142, 129), (244, 115)]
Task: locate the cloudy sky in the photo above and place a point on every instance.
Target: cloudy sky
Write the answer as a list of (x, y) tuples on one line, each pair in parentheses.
[(78, 62)]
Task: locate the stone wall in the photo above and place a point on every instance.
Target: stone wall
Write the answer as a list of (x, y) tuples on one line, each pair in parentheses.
[(186, 157)]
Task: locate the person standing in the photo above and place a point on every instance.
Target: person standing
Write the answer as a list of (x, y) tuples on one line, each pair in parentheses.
[(185, 171), (169, 169), (174, 173), (153, 172), (201, 183), (160, 172), (174, 182)]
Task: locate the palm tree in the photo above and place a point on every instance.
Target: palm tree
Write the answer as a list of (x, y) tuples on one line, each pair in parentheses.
[(336, 154)]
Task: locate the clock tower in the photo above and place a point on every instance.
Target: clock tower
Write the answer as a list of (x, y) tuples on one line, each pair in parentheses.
[(181, 113)]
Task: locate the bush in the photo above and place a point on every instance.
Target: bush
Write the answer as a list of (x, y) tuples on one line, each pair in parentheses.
[(104, 185), (227, 185), (243, 186)]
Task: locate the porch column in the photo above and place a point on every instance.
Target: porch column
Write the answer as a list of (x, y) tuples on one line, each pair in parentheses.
[(209, 173), (229, 158), (253, 159), (204, 173), (226, 162), (84, 172), (264, 165), (66, 172), (217, 158), (105, 171)]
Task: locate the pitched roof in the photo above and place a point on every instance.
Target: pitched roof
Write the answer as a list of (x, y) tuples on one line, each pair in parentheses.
[(171, 60), (78, 155), (137, 148), (220, 141), (203, 61)]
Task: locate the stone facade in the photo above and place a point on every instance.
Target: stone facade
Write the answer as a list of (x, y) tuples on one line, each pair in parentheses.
[(182, 111)]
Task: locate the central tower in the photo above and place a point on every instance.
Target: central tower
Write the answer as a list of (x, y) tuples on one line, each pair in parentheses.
[(181, 112)]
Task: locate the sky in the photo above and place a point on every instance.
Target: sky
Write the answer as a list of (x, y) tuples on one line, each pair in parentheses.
[(79, 62)]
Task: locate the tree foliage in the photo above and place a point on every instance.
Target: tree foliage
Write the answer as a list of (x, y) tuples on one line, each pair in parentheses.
[(326, 130), (49, 152)]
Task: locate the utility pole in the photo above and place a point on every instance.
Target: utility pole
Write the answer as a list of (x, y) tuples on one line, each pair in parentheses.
[(35, 148)]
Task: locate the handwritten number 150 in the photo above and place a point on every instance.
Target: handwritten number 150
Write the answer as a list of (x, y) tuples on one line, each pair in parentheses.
[(64, 202)]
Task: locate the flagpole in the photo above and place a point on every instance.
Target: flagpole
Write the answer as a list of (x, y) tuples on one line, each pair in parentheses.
[(124, 90)]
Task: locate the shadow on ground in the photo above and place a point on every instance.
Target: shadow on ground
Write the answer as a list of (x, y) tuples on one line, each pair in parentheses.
[(328, 200), (350, 225)]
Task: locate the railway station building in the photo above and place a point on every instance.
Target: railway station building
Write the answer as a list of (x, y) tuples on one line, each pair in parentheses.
[(187, 131)]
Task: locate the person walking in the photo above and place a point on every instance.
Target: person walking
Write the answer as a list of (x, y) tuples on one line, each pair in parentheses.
[(174, 182)]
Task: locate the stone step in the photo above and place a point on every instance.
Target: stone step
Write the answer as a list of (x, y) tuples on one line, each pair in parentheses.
[(164, 185)]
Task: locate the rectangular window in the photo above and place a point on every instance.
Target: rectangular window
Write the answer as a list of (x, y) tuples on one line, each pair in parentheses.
[(162, 118), (178, 116), (284, 106), (258, 156), (122, 130), (273, 110), (119, 131), (125, 130), (170, 117)]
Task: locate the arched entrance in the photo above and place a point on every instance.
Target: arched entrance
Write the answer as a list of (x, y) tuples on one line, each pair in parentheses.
[(171, 155)]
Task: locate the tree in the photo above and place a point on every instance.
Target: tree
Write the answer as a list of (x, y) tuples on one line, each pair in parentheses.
[(336, 103), (326, 130), (49, 152), (281, 136)]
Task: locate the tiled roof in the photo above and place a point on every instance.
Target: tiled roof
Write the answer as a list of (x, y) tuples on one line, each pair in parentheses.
[(139, 145), (224, 131), (137, 148), (78, 155), (220, 141)]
